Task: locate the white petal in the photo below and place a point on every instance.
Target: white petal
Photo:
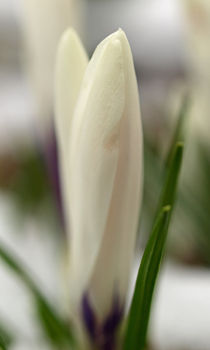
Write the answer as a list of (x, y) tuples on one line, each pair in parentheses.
[(71, 63), (111, 270), (43, 23), (94, 156)]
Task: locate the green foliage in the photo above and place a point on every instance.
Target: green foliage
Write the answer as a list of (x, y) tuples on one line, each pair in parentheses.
[(137, 324), (30, 186), (192, 198), (24, 176), (195, 205), (57, 330), (141, 303), (168, 194), (179, 133), (6, 337)]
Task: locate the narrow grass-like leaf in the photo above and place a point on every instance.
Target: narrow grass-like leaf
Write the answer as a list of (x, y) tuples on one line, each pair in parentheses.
[(141, 303), (3, 346), (179, 132), (138, 318), (168, 194), (56, 329), (6, 336)]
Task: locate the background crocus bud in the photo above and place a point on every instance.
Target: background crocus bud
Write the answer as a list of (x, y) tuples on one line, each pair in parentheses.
[(197, 14), (104, 166), (43, 23)]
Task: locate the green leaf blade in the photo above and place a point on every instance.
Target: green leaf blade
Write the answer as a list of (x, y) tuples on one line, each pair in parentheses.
[(167, 196), (6, 335), (138, 318), (179, 134), (56, 329), (141, 303)]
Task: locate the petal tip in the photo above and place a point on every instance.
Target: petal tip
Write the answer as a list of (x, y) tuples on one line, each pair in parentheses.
[(71, 42), (69, 35)]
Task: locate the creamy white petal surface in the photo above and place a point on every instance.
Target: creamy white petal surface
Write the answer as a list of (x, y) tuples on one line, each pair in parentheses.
[(105, 167), (43, 24), (113, 264), (71, 63)]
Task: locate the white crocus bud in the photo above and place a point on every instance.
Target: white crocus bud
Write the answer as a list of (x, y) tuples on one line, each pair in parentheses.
[(71, 64), (104, 161), (43, 23), (197, 14)]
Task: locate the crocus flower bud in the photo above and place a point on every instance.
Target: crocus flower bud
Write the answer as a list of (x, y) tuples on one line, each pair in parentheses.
[(43, 23), (71, 64), (103, 161)]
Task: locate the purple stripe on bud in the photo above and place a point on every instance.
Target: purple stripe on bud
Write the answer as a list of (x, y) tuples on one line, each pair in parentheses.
[(114, 318), (108, 345), (89, 317), (102, 334)]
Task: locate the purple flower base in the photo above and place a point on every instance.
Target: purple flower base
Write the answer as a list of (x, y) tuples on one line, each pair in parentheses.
[(102, 335)]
